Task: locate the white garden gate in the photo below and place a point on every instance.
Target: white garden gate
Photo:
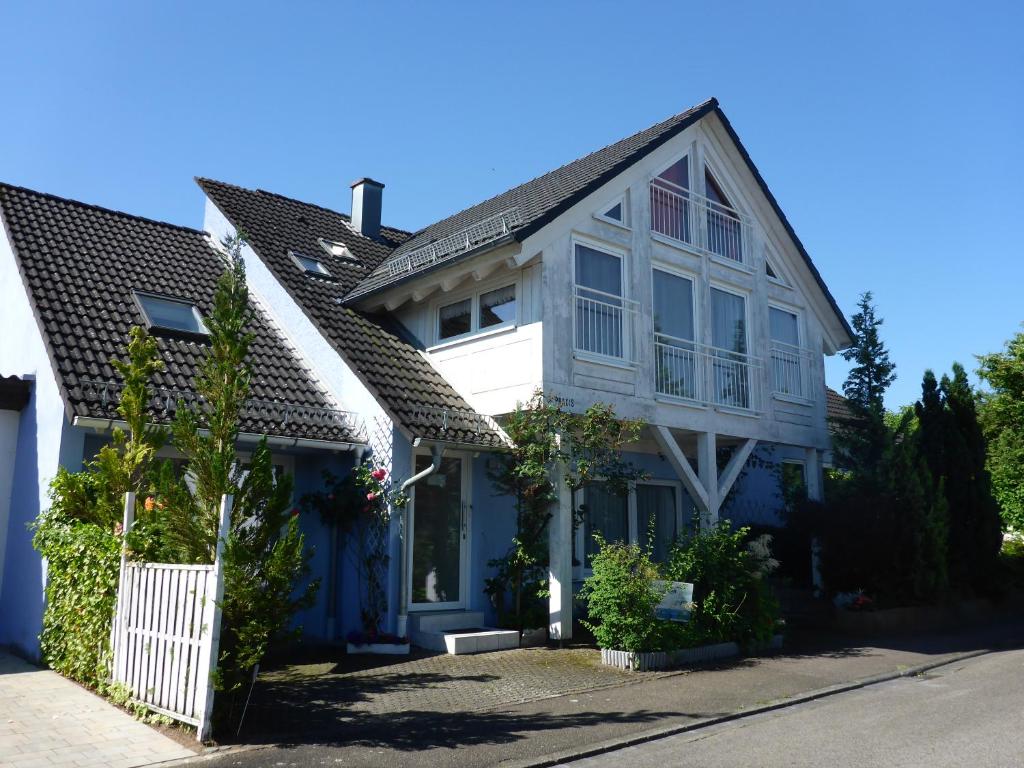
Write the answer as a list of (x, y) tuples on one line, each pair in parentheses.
[(166, 630)]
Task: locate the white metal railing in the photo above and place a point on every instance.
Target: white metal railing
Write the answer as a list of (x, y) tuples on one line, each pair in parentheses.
[(481, 232), (706, 374), (701, 223), (453, 419), (604, 324), (790, 370)]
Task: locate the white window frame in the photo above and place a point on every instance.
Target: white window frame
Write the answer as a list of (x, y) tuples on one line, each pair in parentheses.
[(805, 370), (628, 305), (735, 291), (474, 331), (620, 200), (694, 279)]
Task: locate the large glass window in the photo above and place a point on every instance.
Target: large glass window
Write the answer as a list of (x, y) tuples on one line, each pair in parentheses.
[(670, 204), (455, 319), (171, 314), (599, 302), (675, 353), (787, 357), (498, 307), (730, 369), (656, 516), (605, 513), (725, 234)]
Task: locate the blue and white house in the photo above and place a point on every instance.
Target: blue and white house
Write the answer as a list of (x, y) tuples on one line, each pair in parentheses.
[(658, 274)]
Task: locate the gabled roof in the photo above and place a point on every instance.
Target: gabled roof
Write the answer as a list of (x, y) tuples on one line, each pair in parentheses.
[(398, 375), (836, 407), (80, 265), (541, 200)]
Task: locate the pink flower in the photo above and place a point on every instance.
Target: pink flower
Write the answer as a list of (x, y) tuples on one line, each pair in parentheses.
[(379, 474), (295, 512), (372, 495)]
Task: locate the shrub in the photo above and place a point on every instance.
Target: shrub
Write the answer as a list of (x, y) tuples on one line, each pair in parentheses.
[(81, 591), (621, 600), (732, 601)]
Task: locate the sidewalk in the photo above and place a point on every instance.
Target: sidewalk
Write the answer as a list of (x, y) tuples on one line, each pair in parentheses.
[(429, 731), (47, 721)]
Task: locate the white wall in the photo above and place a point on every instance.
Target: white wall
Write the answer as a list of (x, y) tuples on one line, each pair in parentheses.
[(44, 440)]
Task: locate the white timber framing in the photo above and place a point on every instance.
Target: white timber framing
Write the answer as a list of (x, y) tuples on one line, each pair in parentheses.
[(706, 487)]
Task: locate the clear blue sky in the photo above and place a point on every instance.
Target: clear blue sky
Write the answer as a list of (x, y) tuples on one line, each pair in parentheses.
[(890, 132)]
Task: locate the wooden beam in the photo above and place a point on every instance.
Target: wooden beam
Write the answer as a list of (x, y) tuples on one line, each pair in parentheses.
[(395, 302), (682, 467), (483, 271), (734, 467), (420, 293), (452, 281)]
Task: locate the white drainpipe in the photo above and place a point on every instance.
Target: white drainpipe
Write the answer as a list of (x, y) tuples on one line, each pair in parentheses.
[(436, 452)]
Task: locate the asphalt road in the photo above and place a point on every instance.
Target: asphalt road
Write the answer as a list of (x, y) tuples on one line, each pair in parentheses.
[(967, 714)]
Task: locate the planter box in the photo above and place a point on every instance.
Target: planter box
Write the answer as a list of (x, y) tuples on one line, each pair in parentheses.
[(379, 649), (534, 638), (645, 662)]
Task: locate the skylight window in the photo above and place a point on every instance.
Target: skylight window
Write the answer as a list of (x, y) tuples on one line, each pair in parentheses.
[(338, 250), (168, 314), (309, 266)]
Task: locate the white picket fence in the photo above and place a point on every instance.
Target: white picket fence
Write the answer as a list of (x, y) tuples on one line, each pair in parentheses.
[(166, 630)]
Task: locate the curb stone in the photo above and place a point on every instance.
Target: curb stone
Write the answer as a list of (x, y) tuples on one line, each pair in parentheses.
[(654, 734)]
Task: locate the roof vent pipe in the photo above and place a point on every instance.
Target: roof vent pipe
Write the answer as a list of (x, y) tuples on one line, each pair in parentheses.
[(367, 195)]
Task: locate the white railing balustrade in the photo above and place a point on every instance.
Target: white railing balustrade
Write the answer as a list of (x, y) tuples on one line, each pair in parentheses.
[(701, 223), (790, 370), (604, 324), (706, 375)]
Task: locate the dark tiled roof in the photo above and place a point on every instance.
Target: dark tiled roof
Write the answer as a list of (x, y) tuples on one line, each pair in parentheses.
[(81, 263), (835, 406), (14, 393), (545, 197), (374, 347)]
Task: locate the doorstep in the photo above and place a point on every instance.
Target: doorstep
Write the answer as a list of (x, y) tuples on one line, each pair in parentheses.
[(458, 632)]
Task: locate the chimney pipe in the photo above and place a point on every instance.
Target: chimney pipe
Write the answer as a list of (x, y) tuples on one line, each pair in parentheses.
[(366, 202)]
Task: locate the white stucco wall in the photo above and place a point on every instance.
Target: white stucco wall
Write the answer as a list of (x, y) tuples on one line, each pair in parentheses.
[(44, 439)]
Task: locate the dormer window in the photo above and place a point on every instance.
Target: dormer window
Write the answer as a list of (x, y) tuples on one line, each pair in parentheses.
[(483, 311), (309, 266), (164, 313)]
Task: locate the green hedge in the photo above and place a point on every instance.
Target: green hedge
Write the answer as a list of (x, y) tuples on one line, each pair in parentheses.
[(83, 561)]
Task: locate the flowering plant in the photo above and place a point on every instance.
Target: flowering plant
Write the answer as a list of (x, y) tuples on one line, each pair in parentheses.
[(853, 601)]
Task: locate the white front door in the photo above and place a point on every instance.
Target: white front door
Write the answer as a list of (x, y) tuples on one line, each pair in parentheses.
[(439, 536)]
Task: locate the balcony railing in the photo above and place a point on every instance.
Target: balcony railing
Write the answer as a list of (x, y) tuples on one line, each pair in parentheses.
[(702, 224), (707, 375), (790, 370), (604, 324)]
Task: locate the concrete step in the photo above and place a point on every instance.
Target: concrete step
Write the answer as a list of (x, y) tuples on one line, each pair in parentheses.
[(438, 621), (473, 640)]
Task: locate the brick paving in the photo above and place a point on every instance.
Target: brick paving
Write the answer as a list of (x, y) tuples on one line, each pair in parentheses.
[(47, 721), (345, 689)]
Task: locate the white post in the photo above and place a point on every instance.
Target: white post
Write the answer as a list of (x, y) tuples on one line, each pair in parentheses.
[(815, 492), (116, 638), (560, 562), (707, 468), (212, 648)]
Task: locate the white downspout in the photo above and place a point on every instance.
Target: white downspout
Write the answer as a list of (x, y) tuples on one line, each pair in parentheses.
[(436, 452)]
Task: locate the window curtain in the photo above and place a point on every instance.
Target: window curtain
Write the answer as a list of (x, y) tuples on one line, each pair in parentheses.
[(603, 513), (656, 514), (728, 321), (783, 326), (673, 305), (599, 271)]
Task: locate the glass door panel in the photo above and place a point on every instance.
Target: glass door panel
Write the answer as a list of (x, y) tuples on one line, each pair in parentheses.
[(438, 535)]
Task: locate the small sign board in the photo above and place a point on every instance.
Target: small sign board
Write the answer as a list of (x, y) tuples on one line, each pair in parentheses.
[(677, 602)]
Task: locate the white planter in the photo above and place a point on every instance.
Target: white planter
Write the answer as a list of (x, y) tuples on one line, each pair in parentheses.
[(379, 649), (644, 662)]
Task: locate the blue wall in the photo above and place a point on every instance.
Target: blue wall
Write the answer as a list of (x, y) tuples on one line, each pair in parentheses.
[(756, 498)]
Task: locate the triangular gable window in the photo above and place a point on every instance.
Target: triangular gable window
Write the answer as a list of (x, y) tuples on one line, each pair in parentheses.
[(770, 270), (614, 213), (714, 192), (676, 175)]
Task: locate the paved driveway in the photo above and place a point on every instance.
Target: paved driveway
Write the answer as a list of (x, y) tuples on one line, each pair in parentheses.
[(47, 721)]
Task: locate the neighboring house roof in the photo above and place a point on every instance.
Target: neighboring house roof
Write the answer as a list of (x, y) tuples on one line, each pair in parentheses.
[(396, 373), (836, 407), (538, 202), (81, 264), (14, 393)]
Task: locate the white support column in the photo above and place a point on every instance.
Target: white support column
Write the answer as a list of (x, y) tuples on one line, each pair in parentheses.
[(677, 459), (815, 492), (560, 562), (208, 665), (733, 469), (707, 468)]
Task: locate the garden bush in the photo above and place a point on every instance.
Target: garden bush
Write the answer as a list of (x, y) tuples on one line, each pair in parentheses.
[(732, 600)]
